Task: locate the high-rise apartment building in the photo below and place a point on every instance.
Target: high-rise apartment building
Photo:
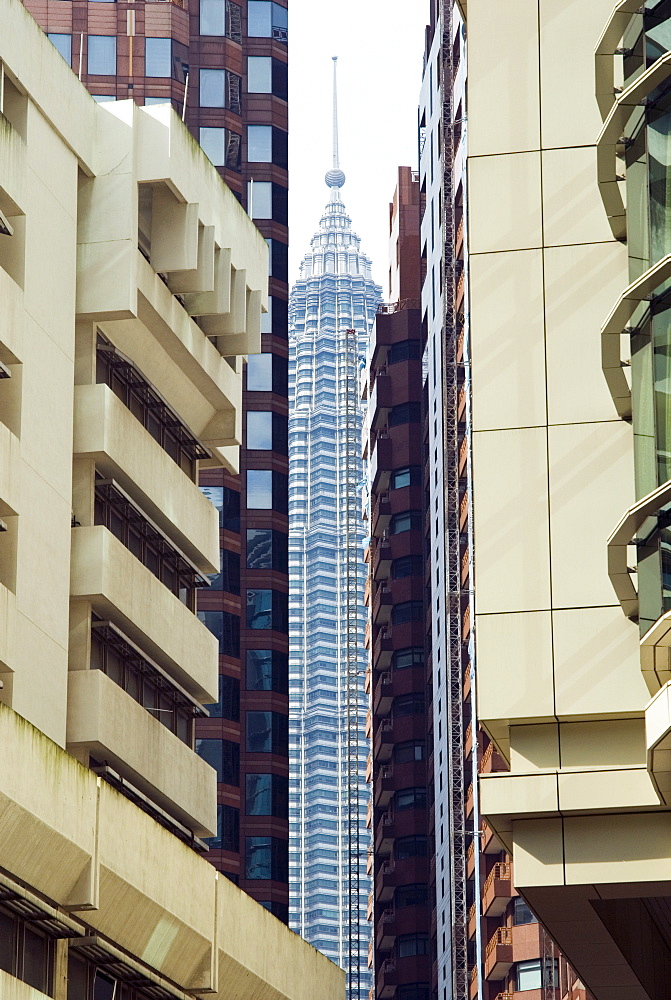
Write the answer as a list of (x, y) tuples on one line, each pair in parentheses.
[(222, 64), (117, 239), (569, 237), (332, 308)]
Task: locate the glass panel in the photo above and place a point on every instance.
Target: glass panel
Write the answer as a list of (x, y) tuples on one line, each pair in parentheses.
[(35, 953), (63, 43), (6, 942), (158, 57), (104, 987), (101, 59), (259, 548), (259, 143), (260, 430), (260, 609), (260, 370), (258, 857), (103, 98), (258, 794), (259, 670), (529, 975), (149, 101), (211, 752), (259, 75), (213, 141), (259, 19), (259, 489), (260, 199), (213, 88), (259, 732), (212, 17)]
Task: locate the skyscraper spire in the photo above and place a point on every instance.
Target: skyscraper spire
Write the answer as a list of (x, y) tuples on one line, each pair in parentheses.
[(335, 178)]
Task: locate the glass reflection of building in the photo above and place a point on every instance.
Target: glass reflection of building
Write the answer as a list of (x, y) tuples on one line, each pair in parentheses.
[(333, 295)]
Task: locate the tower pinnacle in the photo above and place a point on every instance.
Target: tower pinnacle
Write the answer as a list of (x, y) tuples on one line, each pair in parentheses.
[(335, 178)]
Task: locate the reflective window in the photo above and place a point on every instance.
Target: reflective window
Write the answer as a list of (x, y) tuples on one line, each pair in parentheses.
[(408, 611), (64, 45), (158, 57), (413, 656), (260, 430), (260, 372), (522, 914), (267, 549), (260, 143), (405, 413), (267, 609), (267, 795), (267, 732), (260, 200), (266, 858), (408, 704), (104, 98), (221, 146), (406, 753), (405, 350), (228, 706), (409, 520), (266, 20), (226, 627), (267, 670), (536, 974), (416, 894), (149, 101), (213, 88), (410, 798), (412, 944), (410, 475), (407, 566), (259, 75), (228, 577), (101, 59), (221, 17), (411, 847), (259, 489), (228, 829), (223, 756)]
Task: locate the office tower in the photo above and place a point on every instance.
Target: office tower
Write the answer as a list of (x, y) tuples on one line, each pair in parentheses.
[(402, 951), (223, 66), (116, 239), (332, 307), (572, 619)]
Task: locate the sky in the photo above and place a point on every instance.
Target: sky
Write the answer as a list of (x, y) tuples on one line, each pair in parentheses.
[(380, 47)]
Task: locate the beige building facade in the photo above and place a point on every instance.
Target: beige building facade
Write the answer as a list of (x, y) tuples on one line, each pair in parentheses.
[(568, 244), (132, 285)]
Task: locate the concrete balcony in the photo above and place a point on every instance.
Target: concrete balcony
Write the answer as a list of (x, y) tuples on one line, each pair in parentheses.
[(386, 929), (384, 741), (383, 649), (384, 786), (384, 834), (387, 979), (106, 431), (381, 517), (105, 720), (382, 603), (380, 401), (383, 694), (499, 954), (385, 882), (10, 472), (497, 890), (381, 563), (121, 589), (381, 463)]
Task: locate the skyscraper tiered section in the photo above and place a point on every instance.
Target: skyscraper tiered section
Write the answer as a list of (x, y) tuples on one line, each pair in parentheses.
[(331, 312)]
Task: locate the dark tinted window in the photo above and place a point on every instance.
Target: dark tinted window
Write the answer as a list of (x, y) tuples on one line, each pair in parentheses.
[(267, 609), (267, 858), (226, 627), (405, 753), (413, 656), (408, 704), (408, 611), (522, 914), (267, 795), (412, 944), (409, 475), (228, 577), (230, 514), (405, 413), (411, 847), (407, 566), (411, 895), (406, 350), (267, 670), (267, 732), (410, 798), (228, 706), (228, 829), (409, 520), (267, 549)]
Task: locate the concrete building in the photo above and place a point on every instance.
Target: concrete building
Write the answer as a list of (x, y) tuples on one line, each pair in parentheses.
[(131, 283), (332, 308), (568, 249), (222, 65)]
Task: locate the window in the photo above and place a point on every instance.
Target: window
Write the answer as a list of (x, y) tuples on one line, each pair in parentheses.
[(413, 991), (267, 732), (278, 262), (114, 654), (228, 706), (101, 60), (226, 627), (411, 847), (405, 753), (230, 513), (260, 430), (405, 350), (267, 795), (267, 670), (259, 75), (411, 657), (276, 320), (103, 98), (260, 143), (410, 798), (267, 609), (267, 858), (260, 199), (405, 413), (409, 520), (410, 475), (412, 944), (408, 704), (220, 17), (149, 101), (63, 43), (158, 57), (228, 577), (536, 974), (222, 146), (266, 20), (228, 829), (220, 89), (260, 366), (407, 566), (522, 914), (267, 549), (267, 490), (408, 611), (26, 952), (416, 894), (224, 757)]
